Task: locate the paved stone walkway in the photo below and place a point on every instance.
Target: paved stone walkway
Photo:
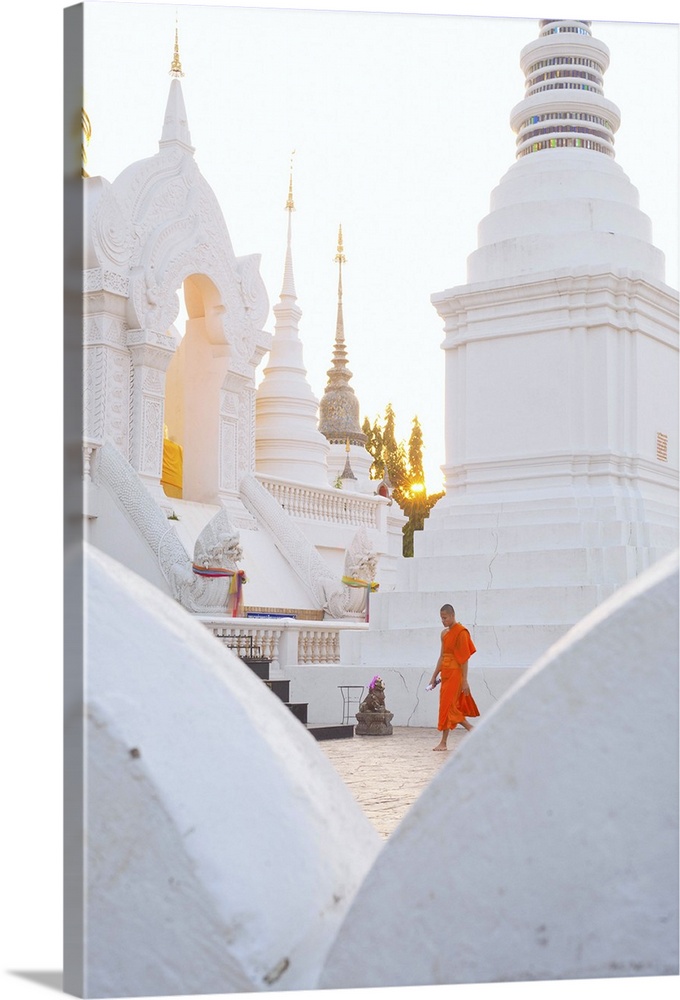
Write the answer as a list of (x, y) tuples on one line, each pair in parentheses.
[(386, 774)]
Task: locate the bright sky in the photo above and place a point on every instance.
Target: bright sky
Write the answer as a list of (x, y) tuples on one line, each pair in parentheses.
[(399, 124)]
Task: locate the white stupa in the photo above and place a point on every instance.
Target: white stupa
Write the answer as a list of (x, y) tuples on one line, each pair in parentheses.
[(561, 388), (288, 442)]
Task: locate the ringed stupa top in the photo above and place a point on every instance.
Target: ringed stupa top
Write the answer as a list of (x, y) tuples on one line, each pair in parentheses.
[(339, 408), (564, 104), (565, 202)]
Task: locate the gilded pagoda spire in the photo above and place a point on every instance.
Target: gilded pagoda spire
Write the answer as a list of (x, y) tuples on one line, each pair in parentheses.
[(339, 408)]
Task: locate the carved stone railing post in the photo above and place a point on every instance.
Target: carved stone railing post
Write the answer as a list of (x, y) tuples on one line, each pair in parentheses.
[(150, 361), (270, 643), (88, 455), (90, 508), (106, 359), (236, 440), (302, 655), (287, 646)]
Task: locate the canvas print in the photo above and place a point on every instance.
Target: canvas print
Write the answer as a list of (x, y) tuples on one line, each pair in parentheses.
[(371, 373)]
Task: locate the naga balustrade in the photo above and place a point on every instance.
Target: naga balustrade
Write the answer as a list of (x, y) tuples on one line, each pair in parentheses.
[(314, 503)]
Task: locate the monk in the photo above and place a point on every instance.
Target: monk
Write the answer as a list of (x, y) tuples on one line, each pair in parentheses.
[(457, 648)]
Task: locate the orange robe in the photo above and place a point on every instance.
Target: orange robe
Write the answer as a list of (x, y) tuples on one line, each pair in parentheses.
[(457, 647)]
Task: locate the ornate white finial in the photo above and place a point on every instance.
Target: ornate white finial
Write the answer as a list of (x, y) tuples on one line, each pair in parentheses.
[(290, 204), (340, 255), (340, 260), (176, 67)]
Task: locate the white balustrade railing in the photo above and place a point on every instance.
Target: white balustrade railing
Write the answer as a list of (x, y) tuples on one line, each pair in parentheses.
[(250, 641), (316, 645), (287, 641), (325, 504)]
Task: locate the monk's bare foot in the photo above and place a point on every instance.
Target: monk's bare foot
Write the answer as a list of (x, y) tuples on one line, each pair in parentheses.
[(468, 728), (440, 746)]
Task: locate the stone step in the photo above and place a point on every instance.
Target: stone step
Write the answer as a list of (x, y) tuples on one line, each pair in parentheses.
[(281, 688), (503, 646), (463, 540), (340, 732), (478, 515), (565, 567), (299, 710), (533, 509), (259, 665), (532, 606)]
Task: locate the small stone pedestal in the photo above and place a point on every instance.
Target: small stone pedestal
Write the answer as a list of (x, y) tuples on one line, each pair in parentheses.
[(374, 723)]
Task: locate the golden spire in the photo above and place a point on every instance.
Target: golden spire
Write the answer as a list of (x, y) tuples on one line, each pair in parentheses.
[(290, 204), (86, 129), (340, 255), (341, 259), (288, 282), (176, 67)]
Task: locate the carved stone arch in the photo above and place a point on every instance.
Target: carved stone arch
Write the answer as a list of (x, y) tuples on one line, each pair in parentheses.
[(223, 342), (160, 222), (180, 231)]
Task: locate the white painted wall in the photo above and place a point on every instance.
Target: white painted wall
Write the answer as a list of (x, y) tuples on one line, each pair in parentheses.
[(222, 853), (405, 694), (547, 847)]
